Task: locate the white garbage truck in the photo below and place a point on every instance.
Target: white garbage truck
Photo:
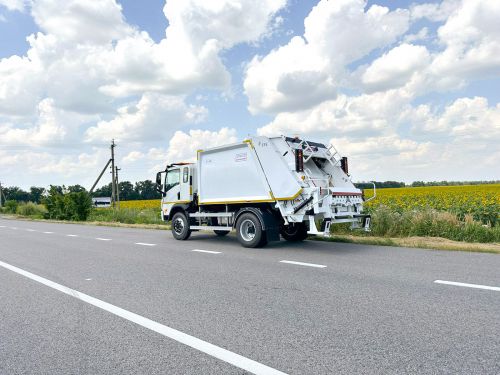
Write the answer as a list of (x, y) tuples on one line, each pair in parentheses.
[(263, 188)]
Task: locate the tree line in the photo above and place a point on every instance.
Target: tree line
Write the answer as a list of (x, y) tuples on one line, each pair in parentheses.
[(128, 191)]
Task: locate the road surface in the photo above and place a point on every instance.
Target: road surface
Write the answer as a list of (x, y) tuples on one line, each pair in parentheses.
[(78, 299)]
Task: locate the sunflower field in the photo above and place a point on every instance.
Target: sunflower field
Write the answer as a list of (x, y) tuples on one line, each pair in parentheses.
[(141, 204), (482, 202)]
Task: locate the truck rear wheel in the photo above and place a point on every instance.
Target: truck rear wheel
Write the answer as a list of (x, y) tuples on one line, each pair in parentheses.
[(180, 226), (249, 231), (294, 232)]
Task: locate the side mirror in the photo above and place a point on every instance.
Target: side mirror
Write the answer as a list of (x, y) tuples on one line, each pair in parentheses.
[(158, 178)]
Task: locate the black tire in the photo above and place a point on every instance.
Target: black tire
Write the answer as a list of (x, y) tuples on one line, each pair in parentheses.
[(221, 233), (294, 232), (249, 231), (180, 226)]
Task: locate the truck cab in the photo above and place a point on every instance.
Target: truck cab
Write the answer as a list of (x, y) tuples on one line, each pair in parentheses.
[(176, 186)]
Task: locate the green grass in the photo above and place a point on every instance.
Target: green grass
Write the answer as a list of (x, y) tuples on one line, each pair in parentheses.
[(127, 216), (425, 223)]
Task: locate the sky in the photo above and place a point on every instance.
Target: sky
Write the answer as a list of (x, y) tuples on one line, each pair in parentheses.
[(406, 90)]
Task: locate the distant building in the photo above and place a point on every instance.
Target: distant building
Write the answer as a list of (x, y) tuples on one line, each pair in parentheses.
[(101, 202)]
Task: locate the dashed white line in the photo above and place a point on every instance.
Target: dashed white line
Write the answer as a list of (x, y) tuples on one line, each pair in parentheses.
[(30, 230), (48, 232), (72, 235), (13, 228), (145, 244), (476, 286), (103, 239), (206, 251), (191, 341), (2, 226), (303, 264)]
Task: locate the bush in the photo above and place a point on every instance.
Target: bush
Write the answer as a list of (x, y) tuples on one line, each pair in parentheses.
[(31, 209), (10, 207), (70, 206)]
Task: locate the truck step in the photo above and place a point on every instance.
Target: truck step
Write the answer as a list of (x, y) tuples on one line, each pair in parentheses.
[(211, 214), (210, 227)]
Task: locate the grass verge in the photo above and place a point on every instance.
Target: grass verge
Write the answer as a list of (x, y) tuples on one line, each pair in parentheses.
[(433, 243)]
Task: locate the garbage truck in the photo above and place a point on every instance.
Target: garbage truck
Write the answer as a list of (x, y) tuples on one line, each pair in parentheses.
[(264, 189)]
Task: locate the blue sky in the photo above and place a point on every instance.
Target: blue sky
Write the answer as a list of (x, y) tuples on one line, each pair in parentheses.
[(408, 90)]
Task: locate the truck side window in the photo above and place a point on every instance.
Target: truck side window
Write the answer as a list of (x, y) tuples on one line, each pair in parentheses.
[(185, 174), (172, 179)]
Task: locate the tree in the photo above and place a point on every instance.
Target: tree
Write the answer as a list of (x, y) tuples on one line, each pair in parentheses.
[(103, 191), (36, 194), (127, 191), (76, 188), (16, 194), (146, 190)]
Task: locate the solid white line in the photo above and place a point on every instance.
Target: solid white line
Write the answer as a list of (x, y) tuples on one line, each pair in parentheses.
[(71, 235), (303, 264), (206, 251), (145, 244), (191, 341), (477, 286), (48, 232), (103, 239)]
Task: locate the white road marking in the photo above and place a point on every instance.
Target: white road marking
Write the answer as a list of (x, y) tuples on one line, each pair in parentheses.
[(303, 264), (206, 251), (88, 279), (191, 341), (13, 228), (31, 230), (477, 286), (103, 239), (48, 232), (145, 244), (2, 226), (71, 235)]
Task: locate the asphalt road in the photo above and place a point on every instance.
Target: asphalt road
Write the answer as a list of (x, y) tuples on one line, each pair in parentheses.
[(147, 299)]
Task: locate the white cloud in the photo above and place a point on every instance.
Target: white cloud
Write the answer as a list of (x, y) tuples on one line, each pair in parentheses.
[(91, 22), (358, 115), (53, 126), (471, 36), (315, 63), (133, 156), (14, 4), (396, 67), (434, 11), (153, 117), (183, 146)]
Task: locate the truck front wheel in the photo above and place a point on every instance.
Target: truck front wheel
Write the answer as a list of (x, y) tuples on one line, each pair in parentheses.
[(249, 231), (294, 232), (180, 226)]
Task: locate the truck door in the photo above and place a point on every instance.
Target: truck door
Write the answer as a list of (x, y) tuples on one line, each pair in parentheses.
[(185, 188)]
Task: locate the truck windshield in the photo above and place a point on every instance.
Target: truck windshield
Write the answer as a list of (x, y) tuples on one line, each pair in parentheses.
[(172, 179)]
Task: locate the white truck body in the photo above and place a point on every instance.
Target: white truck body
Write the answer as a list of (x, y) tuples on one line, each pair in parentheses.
[(291, 180)]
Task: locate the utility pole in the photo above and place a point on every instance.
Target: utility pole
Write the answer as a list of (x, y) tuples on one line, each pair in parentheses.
[(1, 194), (117, 187), (113, 178)]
